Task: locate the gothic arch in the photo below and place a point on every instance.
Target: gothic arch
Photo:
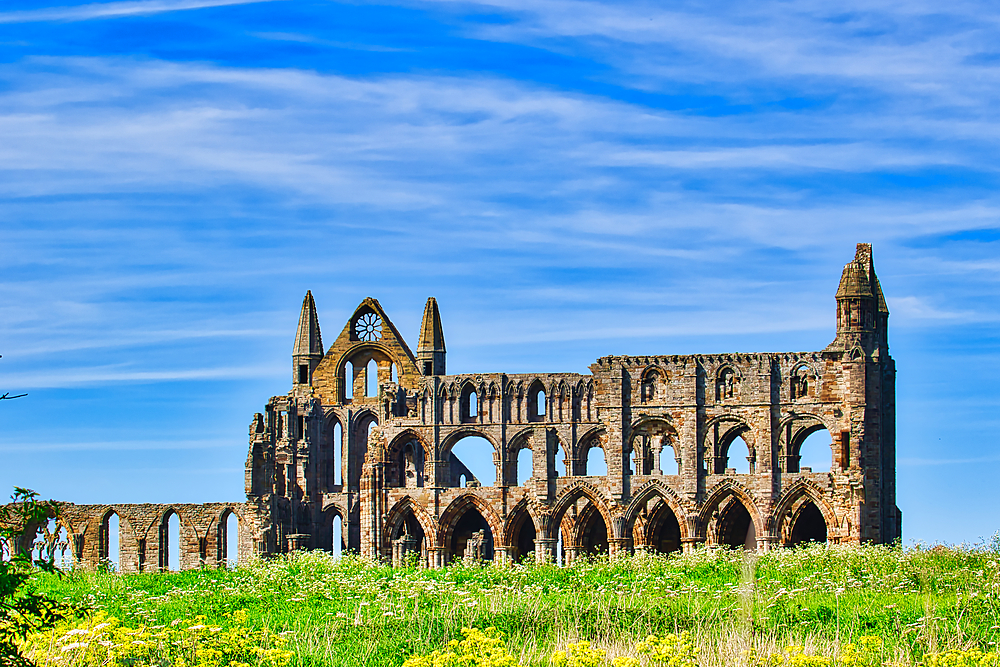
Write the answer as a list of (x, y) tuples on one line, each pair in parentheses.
[(407, 436), (512, 521), (398, 513), (790, 503), (573, 493), (721, 492), (456, 509), (649, 490), (729, 427)]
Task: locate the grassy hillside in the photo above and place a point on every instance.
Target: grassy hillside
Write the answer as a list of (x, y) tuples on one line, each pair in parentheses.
[(735, 605)]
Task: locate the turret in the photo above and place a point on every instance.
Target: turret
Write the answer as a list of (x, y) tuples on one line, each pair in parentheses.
[(862, 314), (308, 350), (430, 351)]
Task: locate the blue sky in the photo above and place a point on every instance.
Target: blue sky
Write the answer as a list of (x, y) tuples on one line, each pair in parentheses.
[(569, 179)]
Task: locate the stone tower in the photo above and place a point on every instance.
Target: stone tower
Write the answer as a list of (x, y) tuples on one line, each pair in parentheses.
[(702, 449)]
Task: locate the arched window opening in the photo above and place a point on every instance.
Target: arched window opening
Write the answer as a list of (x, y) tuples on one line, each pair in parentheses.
[(524, 538), (559, 547), (392, 373), (338, 536), (231, 540), (726, 384), (371, 379), (469, 404), (559, 461), (815, 453), (662, 530), (173, 543), (809, 526), (348, 381), (472, 456), (338, 454), (739, 456), (111, 541), (411, 466), (525, 467), (736, 529), (472, 537), (597, 464), (669, 465), (536, 402), (593, 531), (462, 482)]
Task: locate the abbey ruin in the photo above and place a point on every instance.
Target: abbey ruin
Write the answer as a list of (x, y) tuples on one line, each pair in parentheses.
[(365, 440)]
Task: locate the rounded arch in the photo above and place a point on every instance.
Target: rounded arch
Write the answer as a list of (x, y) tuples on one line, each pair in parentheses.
[(801, 381), (397, 515), (727, 381), (404, 438), (470, 397), (574, 493), (721, 494), (359, 355), (594, 437), (794, 430), (648, 438), (457, 434), (652, 382)]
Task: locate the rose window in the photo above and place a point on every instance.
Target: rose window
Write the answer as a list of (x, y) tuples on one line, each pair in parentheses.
[(368, 327)]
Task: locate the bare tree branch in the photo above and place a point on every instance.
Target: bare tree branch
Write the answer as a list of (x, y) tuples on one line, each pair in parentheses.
[(7, 396)]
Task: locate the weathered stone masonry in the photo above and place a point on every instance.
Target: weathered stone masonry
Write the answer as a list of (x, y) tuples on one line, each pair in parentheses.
[(398, 488)]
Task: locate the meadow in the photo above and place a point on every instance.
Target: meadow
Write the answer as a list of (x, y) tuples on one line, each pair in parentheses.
[(933, 606)]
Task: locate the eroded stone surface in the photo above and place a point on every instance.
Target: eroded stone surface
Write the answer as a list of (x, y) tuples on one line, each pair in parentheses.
[(664, 422)]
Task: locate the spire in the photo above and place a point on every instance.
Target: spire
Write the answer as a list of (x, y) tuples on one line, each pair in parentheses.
[(430, 349), (308, 349), (862, 314)]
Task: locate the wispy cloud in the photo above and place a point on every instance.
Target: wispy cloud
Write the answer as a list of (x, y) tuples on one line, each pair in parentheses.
[(111, 10)]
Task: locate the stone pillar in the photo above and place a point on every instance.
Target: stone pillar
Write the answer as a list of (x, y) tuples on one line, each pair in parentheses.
[(436, 557), (297, 542), (503, 556), (767, 542), (545, 550), (570, 554), (618, 546), (689, 544)]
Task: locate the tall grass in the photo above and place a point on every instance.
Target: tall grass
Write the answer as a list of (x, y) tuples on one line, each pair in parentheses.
[(352, 612)]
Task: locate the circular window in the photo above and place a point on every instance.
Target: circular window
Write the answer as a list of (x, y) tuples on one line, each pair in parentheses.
[(368, 327)]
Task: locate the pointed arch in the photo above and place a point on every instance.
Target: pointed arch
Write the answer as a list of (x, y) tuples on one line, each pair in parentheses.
[(720, 498), (657, 489), (575, 492), (790, 505), (397, 514), (458, 509), (521, 527)]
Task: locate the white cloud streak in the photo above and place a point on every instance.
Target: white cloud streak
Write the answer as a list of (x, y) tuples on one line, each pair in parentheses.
[(112, 10)]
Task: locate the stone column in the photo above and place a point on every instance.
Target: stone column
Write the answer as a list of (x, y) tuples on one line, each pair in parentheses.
[(436, 557), (503, 556), (570, 554), (618, 546), (545, 550), (767, 542), (689, 544)]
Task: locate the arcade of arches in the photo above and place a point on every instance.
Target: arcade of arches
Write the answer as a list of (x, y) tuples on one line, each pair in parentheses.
[(377, 449)]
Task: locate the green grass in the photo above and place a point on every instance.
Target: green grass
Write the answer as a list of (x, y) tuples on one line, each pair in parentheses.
[(350, 612)]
